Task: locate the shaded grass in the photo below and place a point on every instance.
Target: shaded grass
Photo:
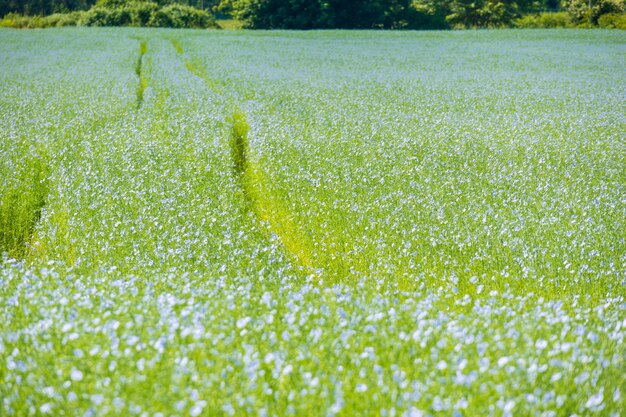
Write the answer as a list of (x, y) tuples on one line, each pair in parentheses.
[(229, 24), (269, 210), (239, 146), (139, 70), (22, 200)]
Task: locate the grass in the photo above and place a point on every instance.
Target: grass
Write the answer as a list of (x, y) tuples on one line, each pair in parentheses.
[(229, 24), (427, 223), (139, 70), (22, 202)]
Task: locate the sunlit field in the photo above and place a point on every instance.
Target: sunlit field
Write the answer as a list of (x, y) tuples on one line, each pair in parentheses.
[(206, 223)]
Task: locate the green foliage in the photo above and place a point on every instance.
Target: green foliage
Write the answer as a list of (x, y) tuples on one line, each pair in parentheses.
[(104, 16), (612, 21), (314, 14), (140, 13), (66, 19), (317, 14), (112, 4), (483, 13), (179, 16), (229, 24), (122, 13), (276, 14), (43, 7), (588, 12), (14, 20), (147, 13), (47, 7), (22, 197), (17, 21), (545, 21), (321, 14), (368, 14)]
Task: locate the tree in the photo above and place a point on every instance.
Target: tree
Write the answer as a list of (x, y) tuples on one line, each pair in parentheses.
[(589, 11), (47, 7), (480, 13), (43, 7), (322, 14)]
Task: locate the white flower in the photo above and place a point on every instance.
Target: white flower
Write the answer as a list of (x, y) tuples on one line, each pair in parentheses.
[(414, 412), (228, 409), (76, 375), (337, 406), (241, 323), (508, 406), (594, 402), (581, 378), (197, 408)]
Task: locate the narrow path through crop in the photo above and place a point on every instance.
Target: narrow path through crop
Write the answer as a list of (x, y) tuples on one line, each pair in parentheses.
[(139, 70), (258, 195), (21, 204), (195, 68), (254, 183)]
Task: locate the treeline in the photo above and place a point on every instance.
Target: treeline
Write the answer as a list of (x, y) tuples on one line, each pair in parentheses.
[(318, 14), (419, 14), (48, 7), (140, 13)]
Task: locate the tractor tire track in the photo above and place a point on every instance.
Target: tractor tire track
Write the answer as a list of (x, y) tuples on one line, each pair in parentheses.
[(22, 202), (140, 72), (269, 211)]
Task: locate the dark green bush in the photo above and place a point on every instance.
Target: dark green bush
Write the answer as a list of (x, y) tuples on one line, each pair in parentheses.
[(141, 13), (587, 17), (424, 21), (104, 16), (482, 14), (66, 19), (111, 4), (179, 16), (329, 14), (37, 22), (119, 13), (544, 21), (612, 21), (146, 13), (14, 20), (54, 19)]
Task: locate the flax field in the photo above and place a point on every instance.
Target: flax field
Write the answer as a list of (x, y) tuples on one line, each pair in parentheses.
[(333, 223)]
